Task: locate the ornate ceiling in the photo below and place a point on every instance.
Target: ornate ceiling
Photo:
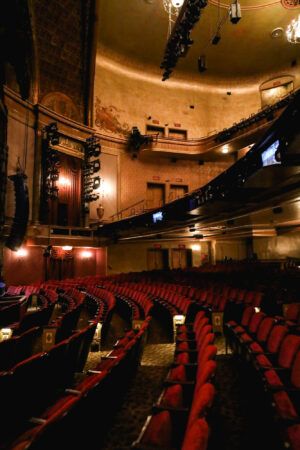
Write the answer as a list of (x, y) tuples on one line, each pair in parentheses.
[(134, 35)]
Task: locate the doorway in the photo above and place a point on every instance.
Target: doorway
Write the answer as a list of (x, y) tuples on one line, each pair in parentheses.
[(155, 197), (157, 259), (181, 258)]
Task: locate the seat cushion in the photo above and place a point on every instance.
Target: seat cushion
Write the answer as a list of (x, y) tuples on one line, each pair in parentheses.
[(293, 437), (272, 379), (256, 348), (172, 397), (196, 436), (284, 406), (177, 374), (159, 431), (263, 361)]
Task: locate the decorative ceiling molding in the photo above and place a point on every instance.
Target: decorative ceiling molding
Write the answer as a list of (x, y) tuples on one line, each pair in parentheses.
[(291, 4)]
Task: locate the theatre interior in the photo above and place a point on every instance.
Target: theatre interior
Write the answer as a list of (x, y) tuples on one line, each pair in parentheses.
[(150, 224)]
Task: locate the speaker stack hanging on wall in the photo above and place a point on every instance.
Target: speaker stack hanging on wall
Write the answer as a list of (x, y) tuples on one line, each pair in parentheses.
[(20, 221)]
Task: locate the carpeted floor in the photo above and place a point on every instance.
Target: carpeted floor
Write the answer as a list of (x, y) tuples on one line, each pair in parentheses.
[(239, 420)]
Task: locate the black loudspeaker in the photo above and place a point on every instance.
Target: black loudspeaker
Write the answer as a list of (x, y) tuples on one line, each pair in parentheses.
[(19, 226)]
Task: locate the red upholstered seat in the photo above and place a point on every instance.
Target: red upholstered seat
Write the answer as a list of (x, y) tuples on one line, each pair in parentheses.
[(172, 397), (202, 401), (288, 349), (205, 341), (182, 358), (276, 337), (295, 374), (159, 431), (196, 436), (272, 379), (263, 361), (177, 374), (284, 406), (208, 353), (293, 436), (256, 348), (206, 373)]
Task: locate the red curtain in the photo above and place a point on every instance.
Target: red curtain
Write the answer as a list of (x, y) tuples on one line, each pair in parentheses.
[(66, 209)]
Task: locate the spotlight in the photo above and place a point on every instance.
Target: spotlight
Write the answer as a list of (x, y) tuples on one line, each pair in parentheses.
[(201, 64), (235, 12)]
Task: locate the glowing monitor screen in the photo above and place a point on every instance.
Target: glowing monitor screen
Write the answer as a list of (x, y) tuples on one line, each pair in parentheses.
[(157, 217), (268, 156)]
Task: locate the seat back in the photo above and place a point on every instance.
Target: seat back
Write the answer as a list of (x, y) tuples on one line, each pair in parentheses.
[(255, 321), (202, 401), (264, 329), (196, 436), (247, 314), (290, 345), (295, 374), (276, 337)]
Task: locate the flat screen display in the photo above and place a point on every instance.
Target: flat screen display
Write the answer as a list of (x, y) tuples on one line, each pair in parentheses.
[(157, 217), (268, 156)]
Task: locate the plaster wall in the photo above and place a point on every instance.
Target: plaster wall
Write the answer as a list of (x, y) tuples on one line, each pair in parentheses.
[(136, 173), (279, 247), (234, 249), (124, 100), (31, 268), (133, 257)]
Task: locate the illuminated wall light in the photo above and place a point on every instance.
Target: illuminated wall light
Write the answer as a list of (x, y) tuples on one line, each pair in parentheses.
[(225, 149), (257, 309), (5, 333), (22, 252), (177, 3), (64, 182), (106, 189), (196, 247), (86, 254), (67, 248)]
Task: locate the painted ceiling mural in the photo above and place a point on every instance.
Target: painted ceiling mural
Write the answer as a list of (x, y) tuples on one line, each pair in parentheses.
[(107, 118), (291, 3)]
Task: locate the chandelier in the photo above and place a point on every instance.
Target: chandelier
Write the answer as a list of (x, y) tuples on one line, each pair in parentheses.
[(172, 8), (293, 31)]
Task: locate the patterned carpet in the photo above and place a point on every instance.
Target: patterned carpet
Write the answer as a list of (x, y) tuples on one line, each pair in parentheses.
[(239, 420), (144, 391)]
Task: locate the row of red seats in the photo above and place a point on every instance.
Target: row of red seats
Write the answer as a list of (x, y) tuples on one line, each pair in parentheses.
[(139, 303), (168, 295), (18, 348), (273, 350), (89, 404), (179, 418), (32, 384), (100, 303)]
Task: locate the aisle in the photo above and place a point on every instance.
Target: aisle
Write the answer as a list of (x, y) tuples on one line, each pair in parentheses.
[(143, 392), (145, 387)]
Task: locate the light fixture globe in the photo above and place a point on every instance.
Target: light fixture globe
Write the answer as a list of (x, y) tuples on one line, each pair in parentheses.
[(293, 31), (172, 7), (177, 3)]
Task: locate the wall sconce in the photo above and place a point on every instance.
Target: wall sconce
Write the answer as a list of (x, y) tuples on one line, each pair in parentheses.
[(5, 333), (64, 182), (67, 248), (86, 254), (196, 247), (22, 252)]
